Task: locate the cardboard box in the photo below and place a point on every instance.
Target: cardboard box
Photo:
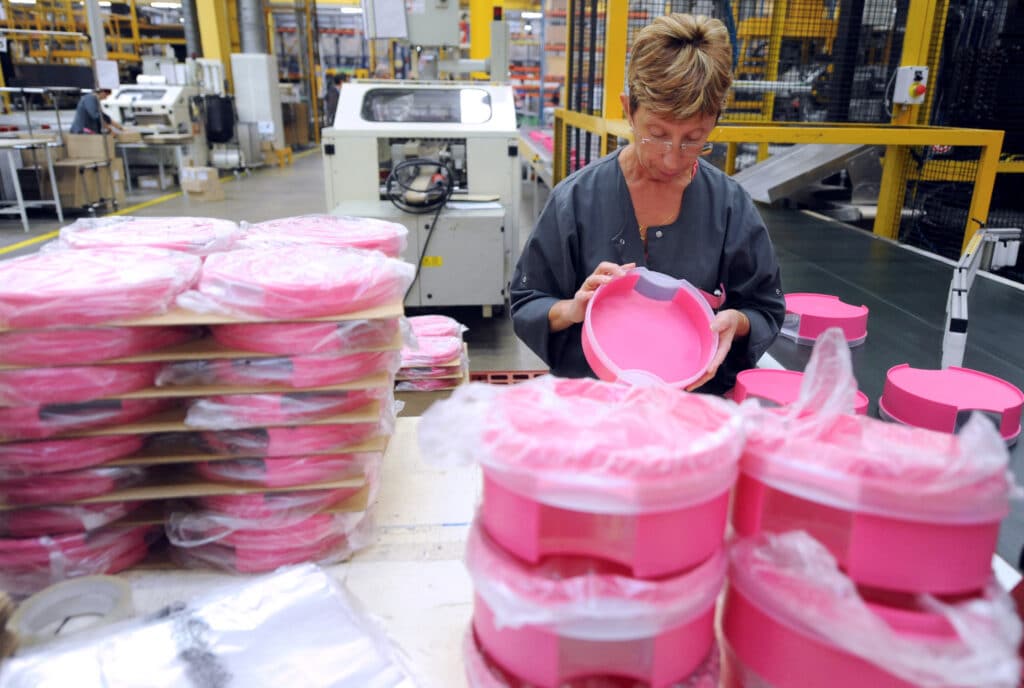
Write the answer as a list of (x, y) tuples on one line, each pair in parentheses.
[(128, 136), (152, 182), (202, 183), (56, 152), (78, 182), (112, 181), (296, 125), (89, 146)]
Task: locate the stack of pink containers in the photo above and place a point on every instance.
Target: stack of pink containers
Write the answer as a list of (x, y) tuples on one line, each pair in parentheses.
[(436, 359), (865, 548), (598, 550)]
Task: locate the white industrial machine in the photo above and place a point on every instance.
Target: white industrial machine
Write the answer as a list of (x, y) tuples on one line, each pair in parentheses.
[(442, 159), (156, 107)]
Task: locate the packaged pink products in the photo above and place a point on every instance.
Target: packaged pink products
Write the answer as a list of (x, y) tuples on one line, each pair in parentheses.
[(199, 236), (288, 471), (47, 420), (570, 618), (791, 619), (637, 475), (300, 372), (292, 441), (232, 411), (59, 520), (432, 351), (302, 282), (338, 231), (308, 338), (436, 326), (60, 488), (61, 288), (32, 386), (21, 459), (62, 346)]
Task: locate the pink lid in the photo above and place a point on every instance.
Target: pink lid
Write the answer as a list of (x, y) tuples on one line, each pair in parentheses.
[(432, 351), (779, 387), (436, 326), (796, 581), (338, 231), (47, 420), (251, 410), (938, 399), (302, 282), (587, 597), (287, 471), (57, 488), (648, 328), (61, 346), (20, 459), (31, 386), (308, 338), (92, 285), (818, 312), (199, 236), (59, 520)]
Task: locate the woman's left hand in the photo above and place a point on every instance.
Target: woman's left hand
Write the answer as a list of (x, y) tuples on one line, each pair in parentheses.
[(729, 324)]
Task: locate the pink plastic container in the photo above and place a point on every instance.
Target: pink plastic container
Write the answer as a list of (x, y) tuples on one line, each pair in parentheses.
[(61, 520), (436, 326), (308, 338), (199, 236), (61, 288), (778, 387), (23, 459), (300, 372), (338, 231), (293, 441), (943, 399), (569, 619), (648, 328), (636, 475), (791, 620), (233, 411), (31, 386), (809, 315), (38, 422), (28, 565), (432, 351), (900, 508), (312, 282), (63, 346), (276, 505), (61, 488), (287, 471)]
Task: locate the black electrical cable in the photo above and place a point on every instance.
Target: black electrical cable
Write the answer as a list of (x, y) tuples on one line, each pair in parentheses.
[(437, 193)]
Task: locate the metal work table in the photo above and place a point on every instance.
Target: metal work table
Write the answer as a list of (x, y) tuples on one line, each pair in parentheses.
[(13, 148), (161, 144)]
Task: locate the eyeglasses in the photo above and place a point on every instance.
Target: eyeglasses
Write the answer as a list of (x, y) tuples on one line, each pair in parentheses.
[(686, 149)]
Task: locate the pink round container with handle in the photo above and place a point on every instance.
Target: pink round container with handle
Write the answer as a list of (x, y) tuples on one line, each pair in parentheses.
[(808, 316), (778, 387), (569, 619), (790, 619), (635, 475), (648, 328)]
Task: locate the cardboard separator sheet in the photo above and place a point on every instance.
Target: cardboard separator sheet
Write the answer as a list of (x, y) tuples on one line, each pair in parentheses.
[(185, 454)]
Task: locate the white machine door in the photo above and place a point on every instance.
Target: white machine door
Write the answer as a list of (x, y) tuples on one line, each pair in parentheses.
[(464, 262)]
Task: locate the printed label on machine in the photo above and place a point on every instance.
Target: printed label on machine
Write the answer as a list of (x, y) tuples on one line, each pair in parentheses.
[(432, 261)]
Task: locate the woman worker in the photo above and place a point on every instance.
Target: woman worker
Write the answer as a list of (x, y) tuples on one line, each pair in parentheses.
[(655, 203)]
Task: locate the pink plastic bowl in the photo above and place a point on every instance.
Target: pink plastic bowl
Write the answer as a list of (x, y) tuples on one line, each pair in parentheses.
[(62, 346), (941, 399), (779, 387), (20, 459), (895, 530), (571, 619), (30, 386), (655, 502), (308, 338), (648, 328), (809, 315)]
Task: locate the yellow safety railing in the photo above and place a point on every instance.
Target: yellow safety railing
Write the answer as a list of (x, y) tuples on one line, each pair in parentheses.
[(898, 141)]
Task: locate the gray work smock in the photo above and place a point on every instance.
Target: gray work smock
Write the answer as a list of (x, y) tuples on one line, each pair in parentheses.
[(718, 239)]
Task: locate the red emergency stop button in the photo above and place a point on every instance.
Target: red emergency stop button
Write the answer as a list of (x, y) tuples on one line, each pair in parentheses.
[(918, 89)]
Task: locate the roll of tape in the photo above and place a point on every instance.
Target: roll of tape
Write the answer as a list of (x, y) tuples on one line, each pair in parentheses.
[(70, 607)]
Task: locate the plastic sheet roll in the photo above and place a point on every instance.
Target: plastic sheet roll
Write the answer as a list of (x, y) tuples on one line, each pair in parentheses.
[(74, 606)]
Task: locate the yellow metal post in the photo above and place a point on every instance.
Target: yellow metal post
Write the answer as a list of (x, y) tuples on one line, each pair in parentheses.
[(938, 33), (481, 13), (730, 157), (558, 164), (916, 44), (616, 24), (214, 33), (984, 181), (892, 191), (774, 56)]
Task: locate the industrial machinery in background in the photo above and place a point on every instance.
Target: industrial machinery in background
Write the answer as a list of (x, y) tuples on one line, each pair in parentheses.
[(442, 159)]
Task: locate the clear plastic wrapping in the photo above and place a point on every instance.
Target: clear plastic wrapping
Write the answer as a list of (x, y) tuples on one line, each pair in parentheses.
[(436, 326), (272, 506), (794, 579), (338, 231), (61, 288), (426, 385), (816, 448), (27, 565), (47, 420), (60, 520), (32, 386), (309, 338), (58, 488), (288, 471), (432, 351), (62, 346), (294, 441), (199, 236), (321, 538), (294, 627), (578, 596), (303, 282), (300, 372), (23, 459), (588, 445), (235, 411)]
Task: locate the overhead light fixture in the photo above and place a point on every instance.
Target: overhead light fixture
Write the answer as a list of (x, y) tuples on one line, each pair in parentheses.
[(23, 2), (104, 3), (351, 10), (166, 5), (532, 15)]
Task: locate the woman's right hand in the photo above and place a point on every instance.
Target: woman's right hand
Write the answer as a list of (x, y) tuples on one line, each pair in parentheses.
[(569, 312)]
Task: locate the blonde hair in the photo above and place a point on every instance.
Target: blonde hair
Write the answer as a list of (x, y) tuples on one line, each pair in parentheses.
[(680, 65)]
